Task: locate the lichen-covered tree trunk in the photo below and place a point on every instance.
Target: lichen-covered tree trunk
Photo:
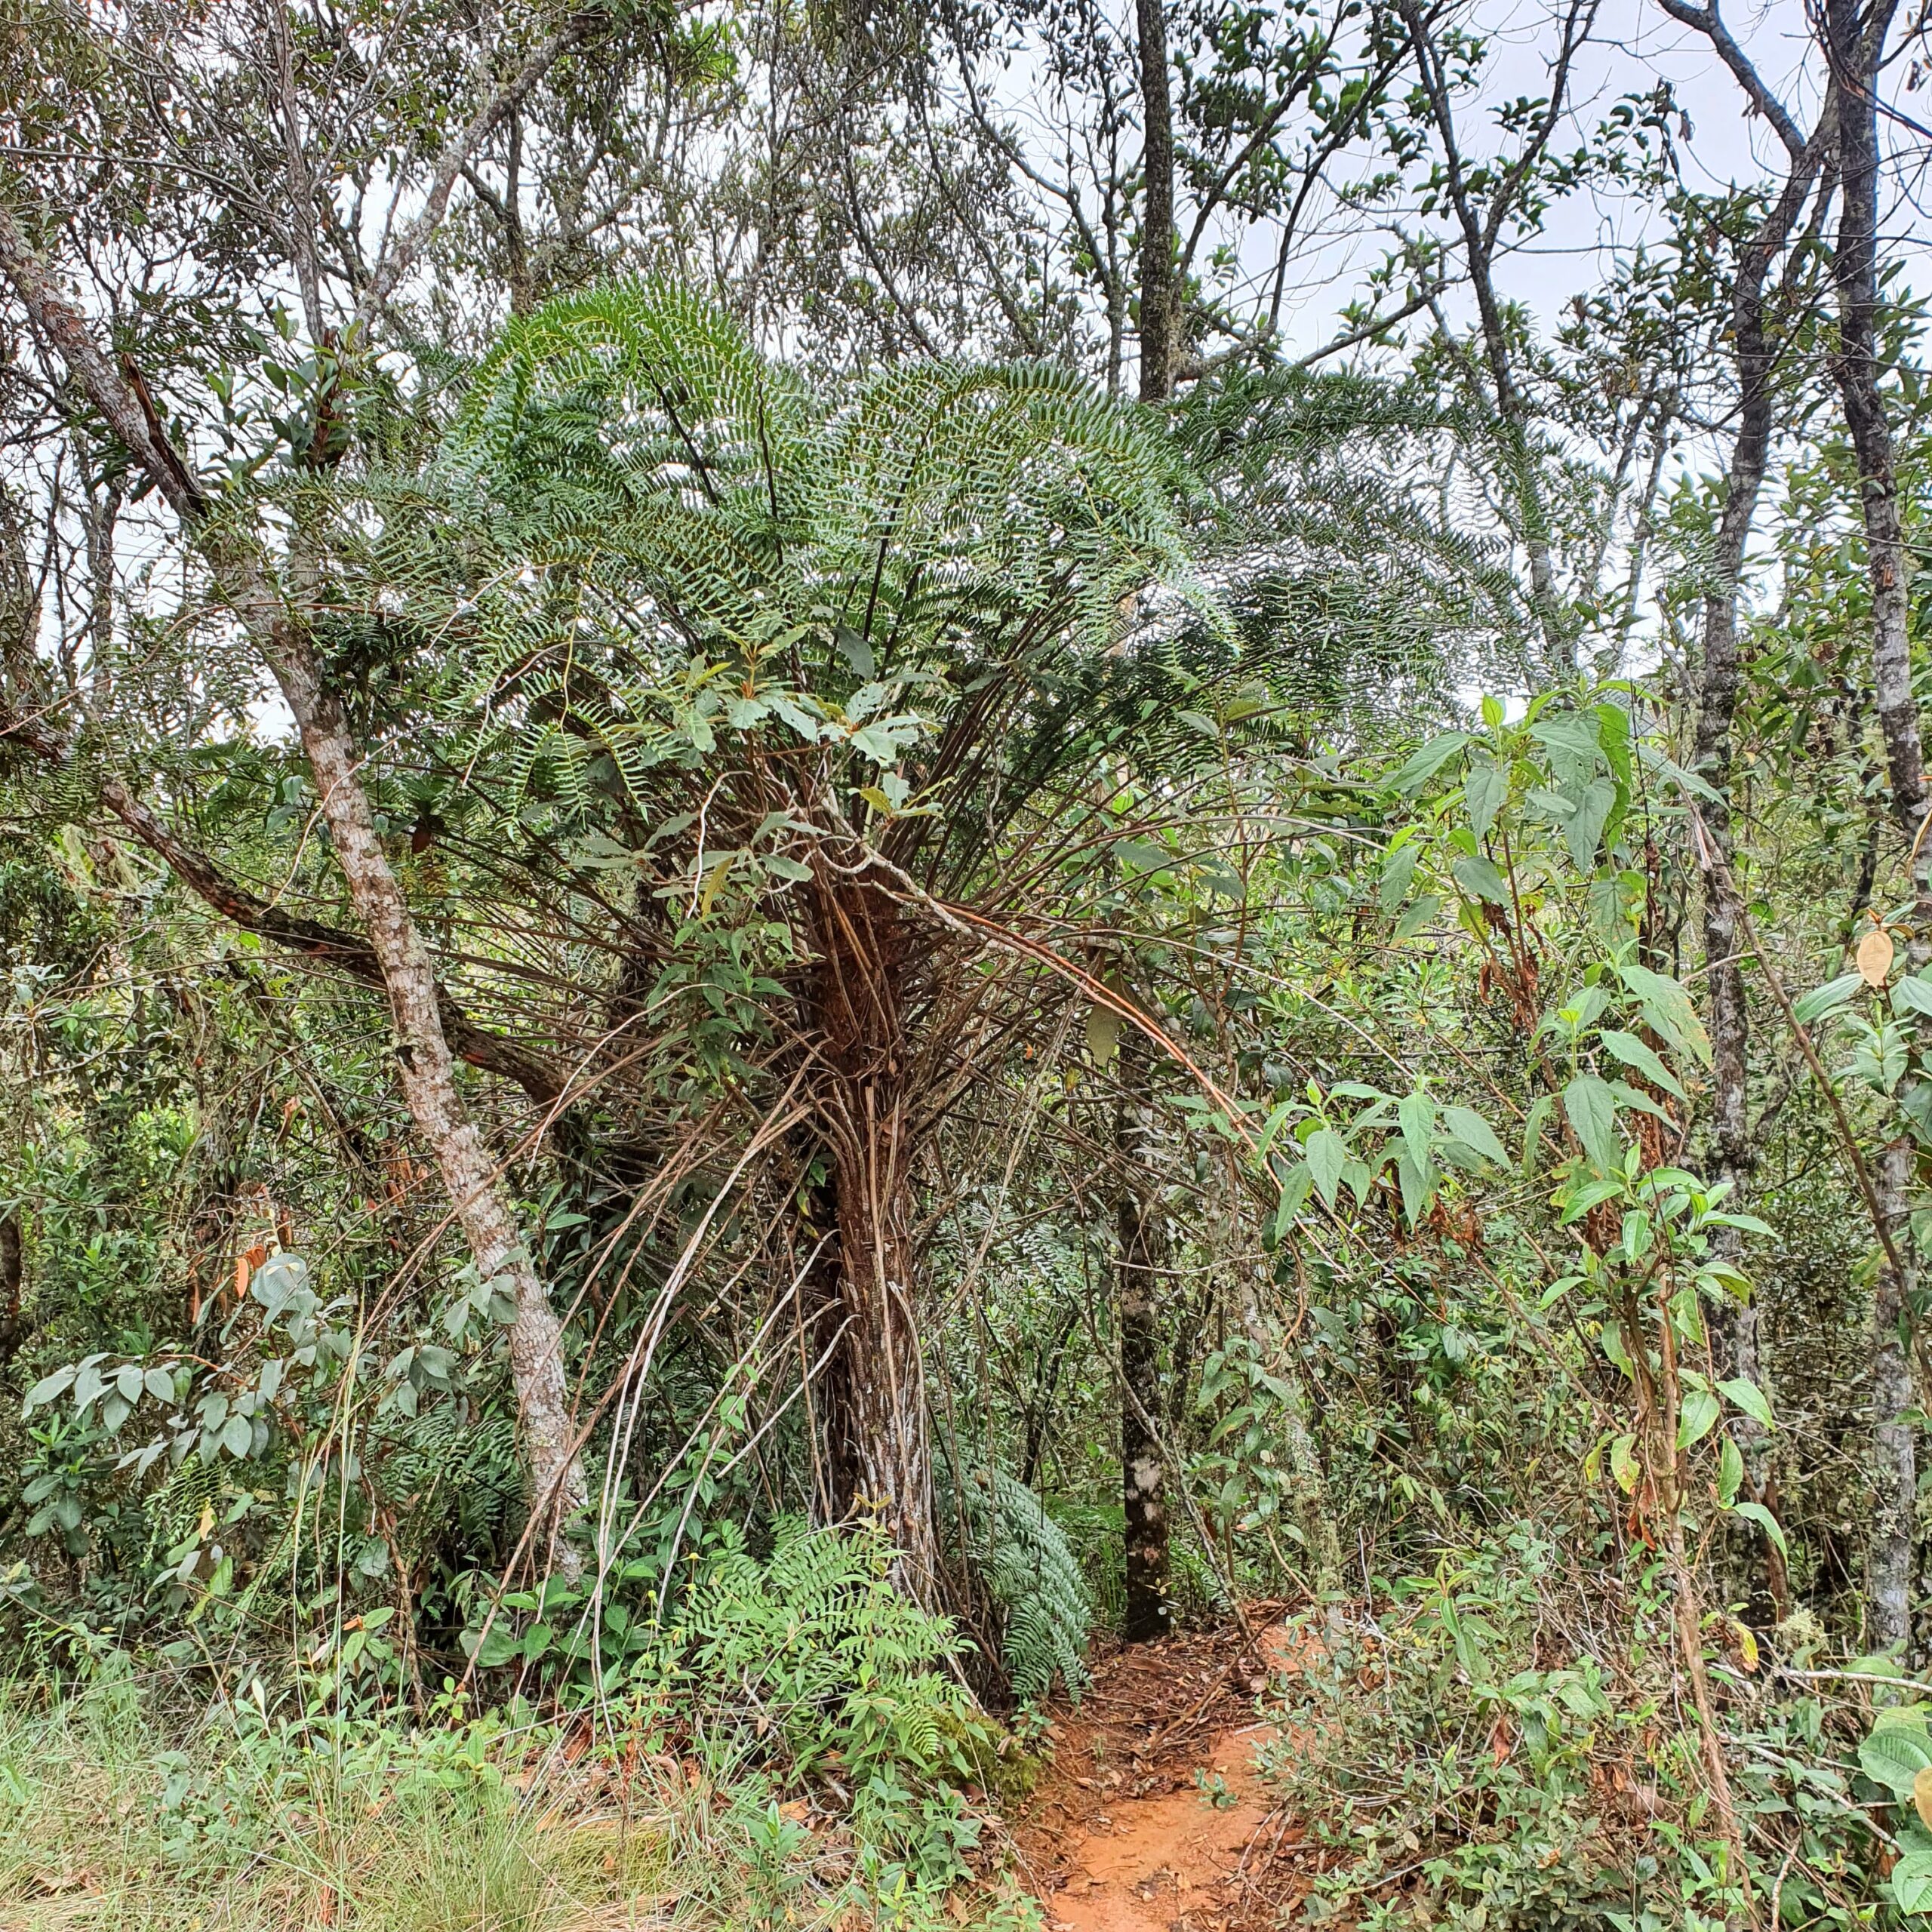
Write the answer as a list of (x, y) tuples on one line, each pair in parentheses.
[(427, 1073), (1156, 229), (1734, 1154), (1140, 1271), (278, 629), (1856, 46)]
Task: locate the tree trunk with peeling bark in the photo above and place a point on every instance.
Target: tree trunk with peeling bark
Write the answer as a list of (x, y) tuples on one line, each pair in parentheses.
[(870, 1402)]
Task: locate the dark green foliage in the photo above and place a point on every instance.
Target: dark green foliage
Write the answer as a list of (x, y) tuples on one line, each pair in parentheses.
[(1021, 1559)]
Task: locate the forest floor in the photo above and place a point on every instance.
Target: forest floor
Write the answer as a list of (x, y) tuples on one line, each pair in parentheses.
[(1151, 1817)]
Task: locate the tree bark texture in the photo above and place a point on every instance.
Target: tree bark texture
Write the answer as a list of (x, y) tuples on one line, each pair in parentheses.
[(870, 1402), (12, 1286), (428, 1073), (1140, 1274), (1158, 317), (1734, 1154), (1857, 43), (481, 1204)]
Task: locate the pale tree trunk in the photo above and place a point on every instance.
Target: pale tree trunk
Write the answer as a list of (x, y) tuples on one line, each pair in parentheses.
[(1735, 1156), (481, 1204), (1140, 1274), (427, 1072), (1857, 45), (1157, 231)]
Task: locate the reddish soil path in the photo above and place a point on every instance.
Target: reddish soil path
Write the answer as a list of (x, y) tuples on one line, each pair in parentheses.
[(1151, 1818)]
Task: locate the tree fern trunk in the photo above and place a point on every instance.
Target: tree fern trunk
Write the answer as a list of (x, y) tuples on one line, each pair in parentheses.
[(870, 1404)]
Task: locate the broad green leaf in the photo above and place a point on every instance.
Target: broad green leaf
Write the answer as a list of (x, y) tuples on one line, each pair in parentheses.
[(1326, 1156), (1756, 1512), (1469, 1128), (1398, 870), (1623, 1463), (1912, 994), (47, 1389), (1417, 1185), (1584, 832), (238, 1434), (1416, 1112), (1697, 1416), (1483, 794), (1541, 1108), (1730, 1471), (1827, 998), (1633, 1053), (1569, 735), (1295, 1186), (1418, 915), (1479, 879), (1669, 1009), (1613, 735), (1592, 1111), (1430, 759), (1911, 1881), (499, 1646), (1749, 1397), (1893, 1755)]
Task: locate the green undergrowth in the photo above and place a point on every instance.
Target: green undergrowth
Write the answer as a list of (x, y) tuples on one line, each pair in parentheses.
[(1496, 1744), (125, 1806)]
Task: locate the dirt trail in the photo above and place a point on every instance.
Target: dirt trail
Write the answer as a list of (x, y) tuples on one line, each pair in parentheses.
[(1152, 1818)]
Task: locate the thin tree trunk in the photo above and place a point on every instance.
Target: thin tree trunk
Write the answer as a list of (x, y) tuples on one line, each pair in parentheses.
[(1157, 231), (428, 1073), (480, 1203), (1481, 233), (1735, 1156), (1857, 43), (1140, 1270), (12, 1286)]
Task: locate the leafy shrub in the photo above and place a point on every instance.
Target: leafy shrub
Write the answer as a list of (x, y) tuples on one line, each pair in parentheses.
[(1433, 1749), (803, 1669)]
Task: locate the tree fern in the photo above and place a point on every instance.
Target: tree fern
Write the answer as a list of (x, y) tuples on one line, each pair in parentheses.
[(1027, 1567)]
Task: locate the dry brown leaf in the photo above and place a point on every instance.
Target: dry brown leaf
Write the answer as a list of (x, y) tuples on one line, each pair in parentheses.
[(1875, 956), (1921, 1795)]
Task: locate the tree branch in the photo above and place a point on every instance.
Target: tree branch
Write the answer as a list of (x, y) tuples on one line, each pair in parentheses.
[(399, 256), (204, 877), (1706, 21)]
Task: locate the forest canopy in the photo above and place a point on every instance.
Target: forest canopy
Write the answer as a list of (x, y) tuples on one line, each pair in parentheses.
[(864, 867)]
